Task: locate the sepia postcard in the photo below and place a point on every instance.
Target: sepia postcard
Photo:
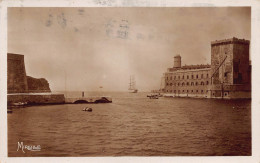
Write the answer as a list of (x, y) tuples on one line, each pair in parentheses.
[(134, 81)]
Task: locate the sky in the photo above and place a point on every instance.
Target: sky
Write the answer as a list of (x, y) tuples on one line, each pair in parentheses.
[(81, 49)]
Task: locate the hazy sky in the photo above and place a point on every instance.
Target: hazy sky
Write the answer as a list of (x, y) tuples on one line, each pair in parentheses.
[(84, 48)]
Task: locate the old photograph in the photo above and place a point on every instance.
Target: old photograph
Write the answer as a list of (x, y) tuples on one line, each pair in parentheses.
[(129, 81)]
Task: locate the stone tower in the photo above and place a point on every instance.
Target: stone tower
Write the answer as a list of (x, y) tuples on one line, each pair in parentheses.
[(177, 61), (230, 61), (16, 74)]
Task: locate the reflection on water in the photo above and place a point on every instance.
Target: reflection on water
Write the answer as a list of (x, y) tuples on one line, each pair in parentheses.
[(134, 125)]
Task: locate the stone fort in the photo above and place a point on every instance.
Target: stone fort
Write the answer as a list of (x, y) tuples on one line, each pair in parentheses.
[(228, 76)]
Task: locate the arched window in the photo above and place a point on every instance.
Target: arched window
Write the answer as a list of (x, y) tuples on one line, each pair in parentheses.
[(192, 83), (207, 82), (187, 76), (201, 91), (192, 91), (167, 84), (197, 76), (197, 91), (207, 75), (178, 84), (183, 84), (182, 90), (187, 83), (187, 91), (191, 76), (196, 83), (183, 77), (202, 83)]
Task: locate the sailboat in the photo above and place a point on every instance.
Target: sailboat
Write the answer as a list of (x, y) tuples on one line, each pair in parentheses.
[(132, 88)]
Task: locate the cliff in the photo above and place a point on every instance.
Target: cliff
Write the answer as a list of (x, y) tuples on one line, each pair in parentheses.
[(37, 85)]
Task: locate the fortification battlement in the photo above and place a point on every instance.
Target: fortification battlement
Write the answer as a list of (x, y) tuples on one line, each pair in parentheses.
[(233, 40), (189, 67), (195, 66), (15, 56)]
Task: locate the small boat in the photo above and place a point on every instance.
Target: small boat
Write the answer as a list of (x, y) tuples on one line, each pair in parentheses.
[(9, 111), (19, 103), (153, 96), (87, 109)]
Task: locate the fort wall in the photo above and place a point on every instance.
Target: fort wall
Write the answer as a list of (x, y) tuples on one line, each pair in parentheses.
[(189, 82), (35, 99)]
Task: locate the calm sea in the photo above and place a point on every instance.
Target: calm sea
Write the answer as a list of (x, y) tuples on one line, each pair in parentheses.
[(134, 125)]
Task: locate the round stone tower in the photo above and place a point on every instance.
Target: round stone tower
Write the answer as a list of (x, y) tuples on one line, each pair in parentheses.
[(177, 61)]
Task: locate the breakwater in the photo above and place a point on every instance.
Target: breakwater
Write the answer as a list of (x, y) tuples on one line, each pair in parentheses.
[(36, 99), (50, 98)]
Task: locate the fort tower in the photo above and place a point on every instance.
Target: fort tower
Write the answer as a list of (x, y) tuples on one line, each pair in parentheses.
[(16, 74), (177, 61), (230, 61)]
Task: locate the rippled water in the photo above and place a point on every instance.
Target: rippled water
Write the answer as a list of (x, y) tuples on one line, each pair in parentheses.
[(134, 125)]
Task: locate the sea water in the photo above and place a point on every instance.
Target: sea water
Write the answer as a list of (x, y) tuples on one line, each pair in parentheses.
[(133, 125)]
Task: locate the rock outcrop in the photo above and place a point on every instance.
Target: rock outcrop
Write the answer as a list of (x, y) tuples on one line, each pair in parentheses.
[(37, 85)]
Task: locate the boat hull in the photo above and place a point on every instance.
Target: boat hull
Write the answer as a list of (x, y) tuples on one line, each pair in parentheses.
[(133, 91)]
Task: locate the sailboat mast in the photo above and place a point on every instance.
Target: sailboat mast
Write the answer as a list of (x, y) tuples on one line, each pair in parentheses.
[(132, 83)]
